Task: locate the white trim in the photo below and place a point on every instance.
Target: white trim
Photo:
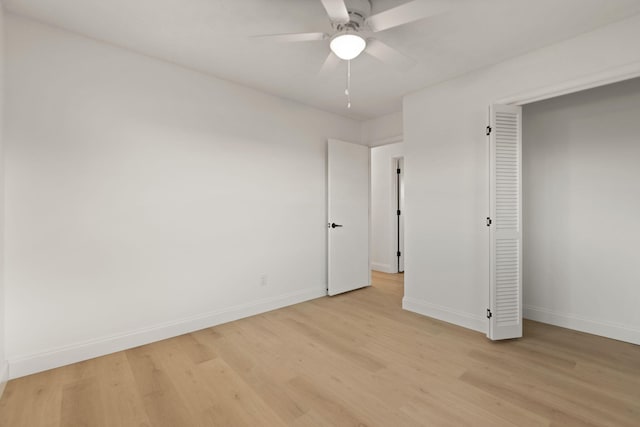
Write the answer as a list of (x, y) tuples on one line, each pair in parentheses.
[(369, 211), (590, 81), (445, 314), (387, 141), (4, 377), (393, 250), (612, 330), (385, 268), (29, 364), (391, 210)]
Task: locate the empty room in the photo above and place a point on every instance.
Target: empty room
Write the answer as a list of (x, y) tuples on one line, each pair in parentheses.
[(319, 213)]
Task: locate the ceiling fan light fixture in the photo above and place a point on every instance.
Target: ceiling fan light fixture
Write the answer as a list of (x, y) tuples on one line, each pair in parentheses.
[(347, 46)]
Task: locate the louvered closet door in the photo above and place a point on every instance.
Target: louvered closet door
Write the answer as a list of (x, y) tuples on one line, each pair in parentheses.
[(506, 226)]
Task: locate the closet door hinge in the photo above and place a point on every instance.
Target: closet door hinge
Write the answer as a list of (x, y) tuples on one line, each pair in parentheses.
[(489, 314), (489, 222), (488, 130)]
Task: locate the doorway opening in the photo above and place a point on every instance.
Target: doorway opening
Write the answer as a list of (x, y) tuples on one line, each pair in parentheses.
[(400, 214), (578, 152), (387, 212)]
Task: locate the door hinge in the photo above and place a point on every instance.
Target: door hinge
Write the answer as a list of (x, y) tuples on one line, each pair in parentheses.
[(489, 222), (397, 171), (398, 253), (488, 130), (489, 314), (398, 212)]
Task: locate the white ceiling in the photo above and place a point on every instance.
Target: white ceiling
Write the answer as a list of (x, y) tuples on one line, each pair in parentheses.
[(214, 36)]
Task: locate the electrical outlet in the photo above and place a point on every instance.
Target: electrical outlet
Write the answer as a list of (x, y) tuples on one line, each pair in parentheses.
[(263, 280)]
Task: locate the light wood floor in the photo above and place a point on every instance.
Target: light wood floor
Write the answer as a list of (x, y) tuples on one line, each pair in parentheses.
[(351, 360)]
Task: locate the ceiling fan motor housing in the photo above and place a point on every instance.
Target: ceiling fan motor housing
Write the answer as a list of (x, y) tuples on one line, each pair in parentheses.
[(359, 11)]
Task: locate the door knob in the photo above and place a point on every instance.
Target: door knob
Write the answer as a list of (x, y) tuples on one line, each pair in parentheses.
[(334, 225)]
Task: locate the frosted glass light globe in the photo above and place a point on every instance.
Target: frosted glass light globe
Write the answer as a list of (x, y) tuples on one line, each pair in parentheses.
[(347, 46)]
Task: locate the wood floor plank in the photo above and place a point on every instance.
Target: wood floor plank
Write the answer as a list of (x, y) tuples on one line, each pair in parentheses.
[(235, 398), (312, 419), (82, 404), (356, 359), (196, 350), (35, 400), (123, 404), (163, 404), (558, 408)]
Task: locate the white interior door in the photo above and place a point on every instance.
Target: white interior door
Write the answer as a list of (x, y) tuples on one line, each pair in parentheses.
[(348, 217), (505, 222)]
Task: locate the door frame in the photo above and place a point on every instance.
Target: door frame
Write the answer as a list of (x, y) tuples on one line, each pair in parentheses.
[(590, 81), (394, 207), (566, 87)]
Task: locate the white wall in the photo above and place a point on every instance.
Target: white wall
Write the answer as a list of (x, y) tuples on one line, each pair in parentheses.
[(382, 130), (447, 242), (3, 361), (145, 200), (582, 210), (383, 207)]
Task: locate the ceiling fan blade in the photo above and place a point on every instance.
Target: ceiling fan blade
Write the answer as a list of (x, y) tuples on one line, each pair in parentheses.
[(408, 12), (389, 55), (330, 64), (337, 11), (294, 37)]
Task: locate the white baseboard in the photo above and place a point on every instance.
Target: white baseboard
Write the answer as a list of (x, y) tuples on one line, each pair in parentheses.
[(606, 329), (466, 320), (385, 268), (4, 377), (54, 358)]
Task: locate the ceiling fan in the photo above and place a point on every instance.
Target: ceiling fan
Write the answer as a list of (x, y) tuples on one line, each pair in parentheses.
[(354, 27)]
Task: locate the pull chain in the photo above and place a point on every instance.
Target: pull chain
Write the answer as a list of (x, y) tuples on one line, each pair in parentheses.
[(347, 91)]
